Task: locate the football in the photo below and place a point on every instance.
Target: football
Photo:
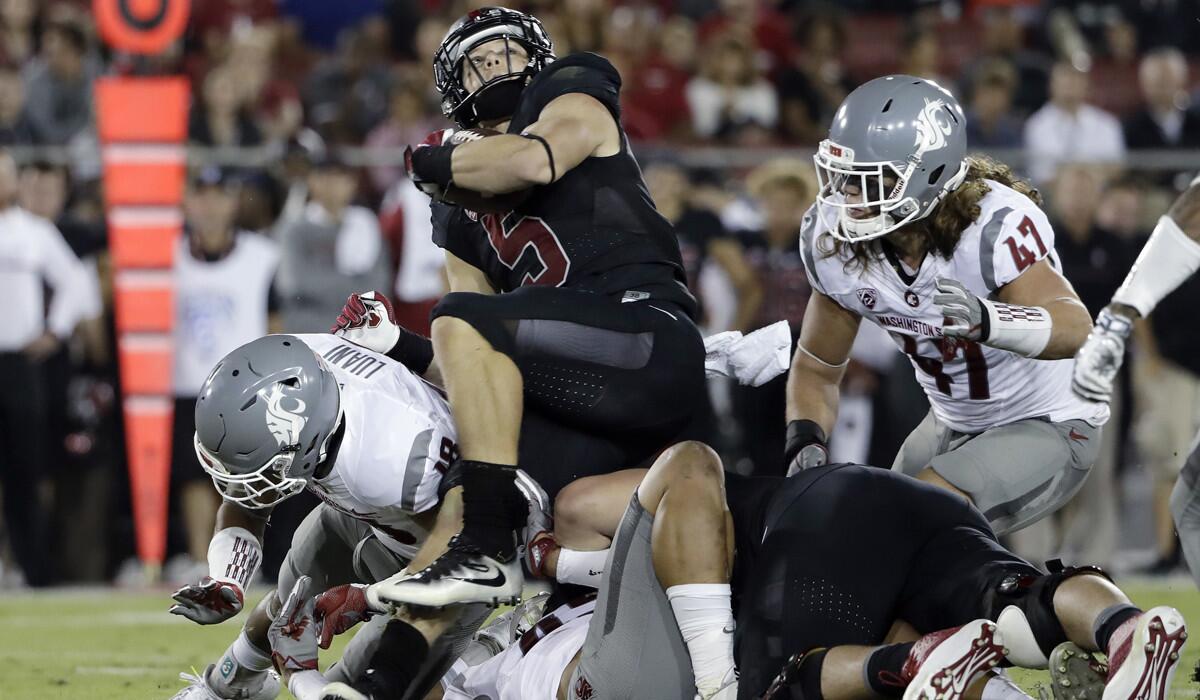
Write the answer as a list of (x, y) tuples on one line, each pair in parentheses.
[(477, 201)]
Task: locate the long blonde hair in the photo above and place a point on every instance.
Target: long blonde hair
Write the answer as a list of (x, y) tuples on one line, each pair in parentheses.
[(942, 229)]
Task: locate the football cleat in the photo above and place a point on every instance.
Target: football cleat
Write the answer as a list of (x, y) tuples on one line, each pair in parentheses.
[(1075, 674), (942, 665), (1143, 655), (264, 686), (463, 574)]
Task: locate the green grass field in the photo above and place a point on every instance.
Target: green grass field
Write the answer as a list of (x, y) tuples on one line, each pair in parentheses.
[(115, 645)]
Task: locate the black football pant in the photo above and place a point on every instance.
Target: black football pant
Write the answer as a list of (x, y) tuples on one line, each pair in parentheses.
[(607, 384), (837, 554), (23, 423)]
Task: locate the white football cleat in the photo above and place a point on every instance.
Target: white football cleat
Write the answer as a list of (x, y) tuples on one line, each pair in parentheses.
[(1144, 654), (463, 574), (942, 665), (1075, 674), (265, 687)]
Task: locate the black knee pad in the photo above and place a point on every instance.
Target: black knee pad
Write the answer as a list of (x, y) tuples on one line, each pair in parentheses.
[(477, 310), (1023, 607)]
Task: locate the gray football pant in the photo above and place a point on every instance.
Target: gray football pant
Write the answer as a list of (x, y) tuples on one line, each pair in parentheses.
[(1015, 474), (633, 648), (1185, 509), (333, 548)]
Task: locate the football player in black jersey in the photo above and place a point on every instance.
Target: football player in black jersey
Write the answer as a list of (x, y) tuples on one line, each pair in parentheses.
[(568, 315)]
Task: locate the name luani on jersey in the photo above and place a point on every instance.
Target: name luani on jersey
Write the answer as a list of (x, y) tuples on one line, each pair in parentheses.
[(971, 387)]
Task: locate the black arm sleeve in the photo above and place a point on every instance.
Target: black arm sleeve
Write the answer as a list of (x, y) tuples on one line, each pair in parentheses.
[(455, 232)]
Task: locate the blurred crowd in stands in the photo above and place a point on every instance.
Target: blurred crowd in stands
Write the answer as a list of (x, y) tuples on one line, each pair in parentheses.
[(1072, 91)]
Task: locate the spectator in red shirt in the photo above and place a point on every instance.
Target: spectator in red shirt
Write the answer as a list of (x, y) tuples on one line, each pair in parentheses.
[(753, 21), (653, 97)]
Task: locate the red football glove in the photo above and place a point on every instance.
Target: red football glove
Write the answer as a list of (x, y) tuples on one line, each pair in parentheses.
[(208, 602), (338, 609), (367, 319)]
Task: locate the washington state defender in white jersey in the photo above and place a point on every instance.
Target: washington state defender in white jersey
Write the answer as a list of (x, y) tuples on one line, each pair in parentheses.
[(954, 258), (370, 439)]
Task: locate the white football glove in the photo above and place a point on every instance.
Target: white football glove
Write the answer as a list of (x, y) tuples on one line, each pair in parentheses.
[(1100, 358), (293, 632), (962, 310), (208, 601), (367, 319)]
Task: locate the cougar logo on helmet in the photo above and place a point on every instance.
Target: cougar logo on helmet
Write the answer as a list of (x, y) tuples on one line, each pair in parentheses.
[(933, 126), (285, 425)]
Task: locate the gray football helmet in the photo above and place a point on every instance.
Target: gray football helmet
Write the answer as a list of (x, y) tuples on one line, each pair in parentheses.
[(902, 142), (264, 418)]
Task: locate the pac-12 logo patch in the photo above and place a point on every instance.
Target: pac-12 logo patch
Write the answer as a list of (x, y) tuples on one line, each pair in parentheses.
[(868, 297), (911, 298)]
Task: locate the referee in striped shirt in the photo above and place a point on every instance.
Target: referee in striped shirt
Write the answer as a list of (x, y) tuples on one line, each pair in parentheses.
[(33, 256)]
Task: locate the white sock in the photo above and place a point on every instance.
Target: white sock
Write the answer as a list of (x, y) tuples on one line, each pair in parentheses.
[(705, 620), (1001, 687), (581, 568), (242, 654)]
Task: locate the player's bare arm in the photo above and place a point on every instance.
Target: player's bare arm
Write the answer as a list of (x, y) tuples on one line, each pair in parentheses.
[(233, 515), (571, 128), (465, 277), (1045, 287), (817, 368)]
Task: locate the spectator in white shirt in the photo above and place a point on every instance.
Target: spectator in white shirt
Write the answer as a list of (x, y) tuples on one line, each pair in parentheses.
[(730, 100), (223, 299), (1067, 130), (33, 254)]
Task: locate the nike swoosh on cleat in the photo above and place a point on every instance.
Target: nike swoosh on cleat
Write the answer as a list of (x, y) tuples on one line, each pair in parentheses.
[(595, 573), (497, 580)]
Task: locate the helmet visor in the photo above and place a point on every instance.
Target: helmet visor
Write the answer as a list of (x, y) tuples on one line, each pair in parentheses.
[(262, 488)]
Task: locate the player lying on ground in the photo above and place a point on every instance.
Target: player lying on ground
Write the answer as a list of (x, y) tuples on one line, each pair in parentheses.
[(358, 430), (953, 256), (668, 573), (571, 306), (1169, 258), (833, 556)]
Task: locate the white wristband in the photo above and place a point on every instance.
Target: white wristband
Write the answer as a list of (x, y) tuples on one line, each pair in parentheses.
[(1166, 261), (233, 556), (1024, 330), (307, 685)]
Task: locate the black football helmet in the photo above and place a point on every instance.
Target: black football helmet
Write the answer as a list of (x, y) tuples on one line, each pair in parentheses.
[(495, 98)]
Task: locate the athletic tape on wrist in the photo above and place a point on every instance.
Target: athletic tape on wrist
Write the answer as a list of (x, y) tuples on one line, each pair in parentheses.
[(1167, 260), (233, 556), (1024, 330), (307, 684)]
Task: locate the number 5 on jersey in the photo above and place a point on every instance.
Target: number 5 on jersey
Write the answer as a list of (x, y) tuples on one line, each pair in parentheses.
[(526, 244)]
